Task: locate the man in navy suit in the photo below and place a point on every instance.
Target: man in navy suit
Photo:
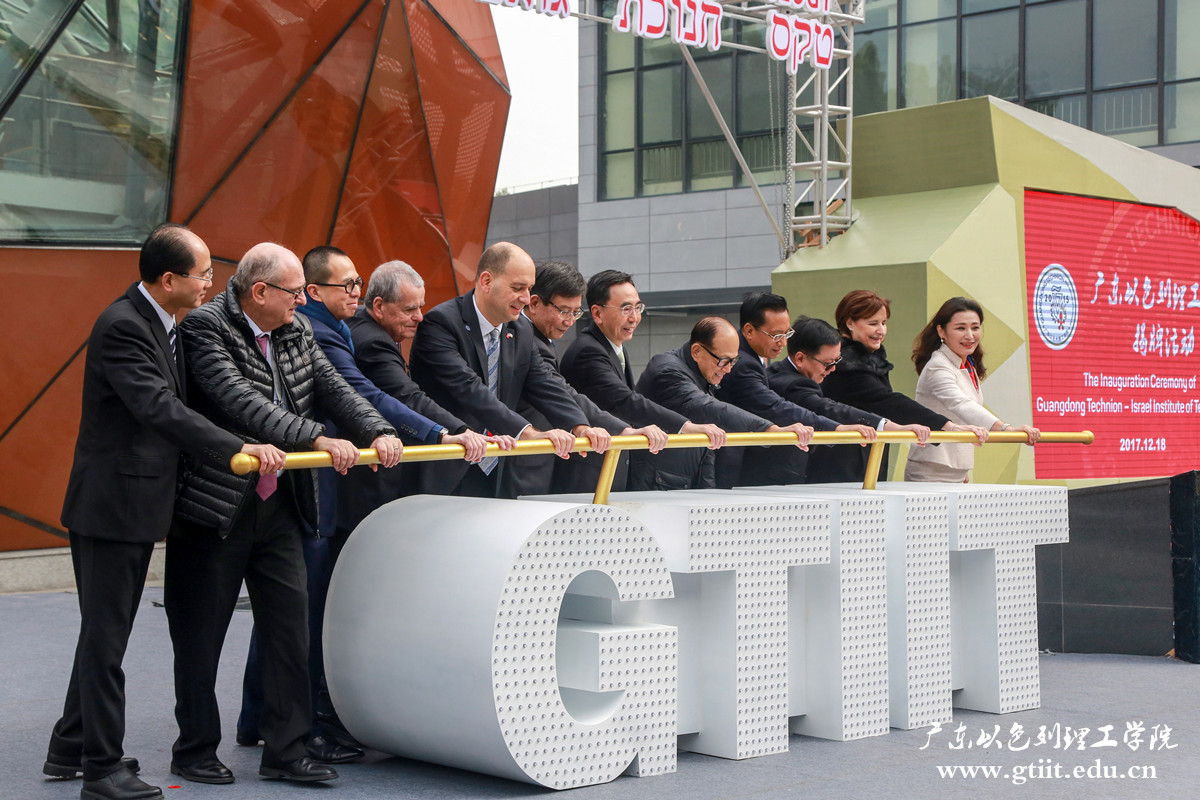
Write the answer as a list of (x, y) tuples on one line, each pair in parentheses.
[(472, 359), (333, 289), (121, 496), (763, 331)]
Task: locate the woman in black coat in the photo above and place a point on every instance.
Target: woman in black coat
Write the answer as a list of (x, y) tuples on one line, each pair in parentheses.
[(862, 380)]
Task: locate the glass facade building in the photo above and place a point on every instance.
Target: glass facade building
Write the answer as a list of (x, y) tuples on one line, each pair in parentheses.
[(371, 125), (1129, 69)]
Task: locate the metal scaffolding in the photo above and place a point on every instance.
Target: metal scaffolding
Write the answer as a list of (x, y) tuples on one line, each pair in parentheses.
[(817, 196)]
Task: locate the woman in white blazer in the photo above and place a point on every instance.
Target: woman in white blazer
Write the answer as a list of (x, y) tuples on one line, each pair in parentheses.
[(949, 361)]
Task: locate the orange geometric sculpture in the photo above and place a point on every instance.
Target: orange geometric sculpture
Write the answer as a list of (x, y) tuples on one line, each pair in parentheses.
[(374, 126)]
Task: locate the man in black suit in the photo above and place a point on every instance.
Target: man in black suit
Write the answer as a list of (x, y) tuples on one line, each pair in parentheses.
[(473, 359), (597, 367), (814, 351), (684, 380), (121, 496), (555, 302), (764, 328), (256, 368)]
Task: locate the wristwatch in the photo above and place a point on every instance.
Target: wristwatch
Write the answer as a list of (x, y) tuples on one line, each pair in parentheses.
[(443, 433)]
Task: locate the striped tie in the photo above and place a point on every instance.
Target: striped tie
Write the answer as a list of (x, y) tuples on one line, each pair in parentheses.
[(493, 373), (171, 339)]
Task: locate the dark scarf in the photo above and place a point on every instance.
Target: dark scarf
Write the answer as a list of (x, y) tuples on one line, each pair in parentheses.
[(857, 358)]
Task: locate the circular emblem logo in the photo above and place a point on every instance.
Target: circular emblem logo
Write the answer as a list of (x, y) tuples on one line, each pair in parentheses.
[(1055, 306)]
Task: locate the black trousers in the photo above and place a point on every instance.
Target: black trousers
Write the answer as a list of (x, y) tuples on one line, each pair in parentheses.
[(320, 557), (204, 574), (110, 576)]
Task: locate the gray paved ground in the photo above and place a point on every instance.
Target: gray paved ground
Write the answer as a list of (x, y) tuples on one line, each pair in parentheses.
[(37, 635)]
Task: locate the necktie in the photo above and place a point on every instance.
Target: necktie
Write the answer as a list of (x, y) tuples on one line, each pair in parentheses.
[(493, 373), (266, 481), (621, 358), (171, 339)]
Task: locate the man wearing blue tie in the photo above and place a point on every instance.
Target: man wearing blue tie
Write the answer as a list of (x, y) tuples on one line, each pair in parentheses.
[(472, 360)]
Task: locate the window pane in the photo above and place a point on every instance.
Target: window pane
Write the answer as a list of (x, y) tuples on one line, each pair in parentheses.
[(1124, 42), (1130, 115), (618, 48), (874, 72), (1055, 50), (930, 68), (710, 166), (1069, 109), (618, 111), (759, 80), (718, 76), (659, 51), (1182, 110), (972, 6), (990, 55), (1182, 43), (662, 170), (25, 29), (85, 149), (618, 176), (921, 10), (661, 105), (880, 14), (764, 156)]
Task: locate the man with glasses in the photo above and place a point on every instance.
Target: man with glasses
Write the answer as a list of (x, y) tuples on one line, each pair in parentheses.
[(763, 332), (473, 357), (383, 324), (257, 370), (684, 380), (597, 366), (814, 351), (121, 495), (555, 302)]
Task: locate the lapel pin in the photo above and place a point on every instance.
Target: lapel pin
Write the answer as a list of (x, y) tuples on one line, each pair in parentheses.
[(508, 335)]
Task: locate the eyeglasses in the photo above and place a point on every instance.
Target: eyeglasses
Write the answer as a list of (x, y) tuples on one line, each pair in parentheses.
[(205, 276), (828, 365), (349, 286), (722, 362), (776, 337), (629, 309), (566, 313), (295, 293)]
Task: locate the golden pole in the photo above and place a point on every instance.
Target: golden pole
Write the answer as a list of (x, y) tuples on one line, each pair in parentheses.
[(608, 471), (242, 464), (874, 461)]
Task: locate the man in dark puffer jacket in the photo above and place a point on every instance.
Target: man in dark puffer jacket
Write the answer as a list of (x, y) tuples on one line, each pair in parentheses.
[(256, 371)]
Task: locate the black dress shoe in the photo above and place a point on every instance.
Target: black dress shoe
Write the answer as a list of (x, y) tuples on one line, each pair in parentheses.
[(248, 739), (302, 769), (328, 751), (206, 770), (120, 785), (57, 766), (331, 725)]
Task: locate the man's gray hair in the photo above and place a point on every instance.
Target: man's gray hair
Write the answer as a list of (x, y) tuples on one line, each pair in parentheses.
[(389, 280), (259, 264)]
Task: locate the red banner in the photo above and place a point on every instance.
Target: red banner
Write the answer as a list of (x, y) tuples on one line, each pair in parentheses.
[(1114, 303)]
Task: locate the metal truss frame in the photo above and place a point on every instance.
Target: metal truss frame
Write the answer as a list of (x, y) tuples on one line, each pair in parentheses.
[(817, 152)]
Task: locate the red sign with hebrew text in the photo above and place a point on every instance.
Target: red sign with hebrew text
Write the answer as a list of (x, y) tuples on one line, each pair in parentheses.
[(1114, 303)]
